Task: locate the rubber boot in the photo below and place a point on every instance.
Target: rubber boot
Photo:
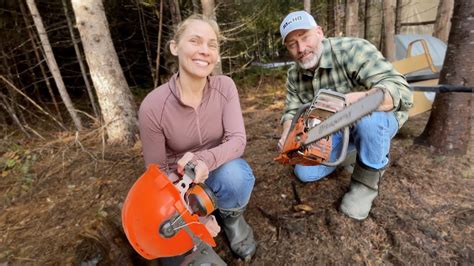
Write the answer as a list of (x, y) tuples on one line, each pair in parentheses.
[(349, 163), (239, 233), (363, 189), (203, 255)]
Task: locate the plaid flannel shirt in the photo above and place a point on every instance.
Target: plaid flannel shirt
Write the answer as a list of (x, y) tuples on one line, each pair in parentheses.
[(347, 65)]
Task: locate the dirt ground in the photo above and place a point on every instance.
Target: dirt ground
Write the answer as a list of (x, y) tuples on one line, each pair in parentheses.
[(60, 199)]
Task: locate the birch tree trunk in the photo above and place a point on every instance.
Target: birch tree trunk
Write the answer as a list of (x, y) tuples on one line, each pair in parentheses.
[(389, 29), (34, 40), (79, 60), (307, 6), (115, 98), (449, 126), (352, 18), (208, 10), (443, 20), (53, 66)]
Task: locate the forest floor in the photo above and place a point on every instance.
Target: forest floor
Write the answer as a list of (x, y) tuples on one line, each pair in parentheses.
[(58, 196)]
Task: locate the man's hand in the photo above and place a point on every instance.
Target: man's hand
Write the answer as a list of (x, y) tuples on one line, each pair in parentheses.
[(211, 224), (353, 97), (201, 170), (386, 105), (284, 134)]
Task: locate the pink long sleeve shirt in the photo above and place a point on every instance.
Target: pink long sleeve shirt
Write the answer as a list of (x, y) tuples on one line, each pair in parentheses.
[(214, 131)]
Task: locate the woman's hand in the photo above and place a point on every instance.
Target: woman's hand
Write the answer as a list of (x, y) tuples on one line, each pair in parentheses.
[(201, 171), (211, 224), (187, 157)]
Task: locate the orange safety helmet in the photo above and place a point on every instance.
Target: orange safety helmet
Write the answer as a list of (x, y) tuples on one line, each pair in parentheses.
[(153, 215)]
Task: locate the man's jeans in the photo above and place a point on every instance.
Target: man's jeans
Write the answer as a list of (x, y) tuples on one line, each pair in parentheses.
[(232, 184), (371, 138)]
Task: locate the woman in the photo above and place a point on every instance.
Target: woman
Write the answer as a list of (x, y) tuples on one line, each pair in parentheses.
[(197, 117)]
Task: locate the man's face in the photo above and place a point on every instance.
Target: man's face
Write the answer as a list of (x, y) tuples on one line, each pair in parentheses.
[(305, 46)]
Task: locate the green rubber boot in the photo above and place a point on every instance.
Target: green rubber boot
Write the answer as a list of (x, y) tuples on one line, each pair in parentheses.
[(239, 233), (363, 189)]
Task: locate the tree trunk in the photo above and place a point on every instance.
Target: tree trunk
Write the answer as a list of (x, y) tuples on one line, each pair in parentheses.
[(352, 18), (196, 7), (79, 60), (307, 5), (389, 29), (338, 18), (158, 45), (34, 40), (114, 96), (449, 126), (208, 10), (443, 20), (331, 21), (398, 16), (175, 11), (372, 31), (146, 39), (53, 66)]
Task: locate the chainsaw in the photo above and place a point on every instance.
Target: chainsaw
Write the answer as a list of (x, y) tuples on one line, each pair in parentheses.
[(161, 218), (309, 140)]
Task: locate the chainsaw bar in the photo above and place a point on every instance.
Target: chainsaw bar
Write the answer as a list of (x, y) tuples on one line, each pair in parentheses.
[(345, 117)]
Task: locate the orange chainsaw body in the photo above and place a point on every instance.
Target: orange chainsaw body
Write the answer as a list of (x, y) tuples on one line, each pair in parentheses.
[(150, 203), (294, 150), (294, 153)]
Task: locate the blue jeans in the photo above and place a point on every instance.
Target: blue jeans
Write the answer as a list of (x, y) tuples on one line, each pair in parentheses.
[(232, 183), (371, 138)]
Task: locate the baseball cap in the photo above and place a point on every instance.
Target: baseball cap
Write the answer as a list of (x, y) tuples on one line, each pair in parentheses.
[(298, 20)]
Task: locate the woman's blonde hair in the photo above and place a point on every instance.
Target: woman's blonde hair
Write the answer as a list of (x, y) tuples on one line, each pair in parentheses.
[(185, 23)]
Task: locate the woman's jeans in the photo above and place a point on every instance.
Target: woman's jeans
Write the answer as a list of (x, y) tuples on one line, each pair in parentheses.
[(371, 138), (232, 184)]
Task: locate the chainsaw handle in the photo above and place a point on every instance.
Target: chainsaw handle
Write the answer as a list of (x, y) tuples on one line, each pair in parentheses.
[(301, 109), (345, 145)]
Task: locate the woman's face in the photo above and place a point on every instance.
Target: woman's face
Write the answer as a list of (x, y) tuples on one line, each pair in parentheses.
[(197, 49)]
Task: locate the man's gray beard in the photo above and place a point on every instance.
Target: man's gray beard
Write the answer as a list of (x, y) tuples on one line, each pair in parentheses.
[(311, 63)]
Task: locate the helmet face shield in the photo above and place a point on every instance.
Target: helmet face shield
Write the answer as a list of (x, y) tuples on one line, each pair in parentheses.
[(156, 220)]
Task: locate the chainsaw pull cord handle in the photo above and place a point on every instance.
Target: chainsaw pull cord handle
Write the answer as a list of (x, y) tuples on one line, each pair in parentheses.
[(345, 145)]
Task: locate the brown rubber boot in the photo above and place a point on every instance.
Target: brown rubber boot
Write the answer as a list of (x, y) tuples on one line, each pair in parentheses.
[(363, 189), (239, 233)]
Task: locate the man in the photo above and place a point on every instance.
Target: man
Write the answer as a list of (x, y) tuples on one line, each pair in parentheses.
[(356, 68)]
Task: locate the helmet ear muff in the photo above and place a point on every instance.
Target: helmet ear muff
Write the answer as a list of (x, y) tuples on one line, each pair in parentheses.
[(201, 199)]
